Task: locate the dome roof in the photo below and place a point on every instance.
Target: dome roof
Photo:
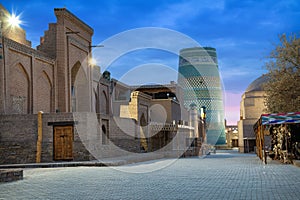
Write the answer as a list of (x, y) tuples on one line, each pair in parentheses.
[(257, 84)]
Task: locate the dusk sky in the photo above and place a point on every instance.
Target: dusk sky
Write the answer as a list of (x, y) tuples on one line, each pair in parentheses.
[(242, 31)]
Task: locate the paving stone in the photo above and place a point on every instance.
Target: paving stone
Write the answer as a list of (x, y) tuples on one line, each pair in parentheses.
[(218, 176)]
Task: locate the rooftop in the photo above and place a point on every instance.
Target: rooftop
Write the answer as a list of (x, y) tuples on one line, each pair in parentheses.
[(257, 84)]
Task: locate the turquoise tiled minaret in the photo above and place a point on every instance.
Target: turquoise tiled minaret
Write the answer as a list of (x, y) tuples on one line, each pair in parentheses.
[(199, 77)]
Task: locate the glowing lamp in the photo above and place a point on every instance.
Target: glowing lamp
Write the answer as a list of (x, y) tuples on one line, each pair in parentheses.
[(14, 20), (93, 62)]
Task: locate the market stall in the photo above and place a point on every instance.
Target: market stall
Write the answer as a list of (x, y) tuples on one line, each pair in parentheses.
[(278, 136)]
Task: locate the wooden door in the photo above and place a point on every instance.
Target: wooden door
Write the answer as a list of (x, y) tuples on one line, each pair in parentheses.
[(235, 143), (63, 142)]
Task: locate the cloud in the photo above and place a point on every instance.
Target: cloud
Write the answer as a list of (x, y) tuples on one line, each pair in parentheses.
[(229, 74), (130, 60), (151, 73), (229, 42), (139, 39)]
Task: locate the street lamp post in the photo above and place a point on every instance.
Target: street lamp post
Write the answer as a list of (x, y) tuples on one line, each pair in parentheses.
[(91, 63), (92, 46)]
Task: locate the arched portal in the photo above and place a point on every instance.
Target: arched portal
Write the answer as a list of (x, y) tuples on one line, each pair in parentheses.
[(79, 89)]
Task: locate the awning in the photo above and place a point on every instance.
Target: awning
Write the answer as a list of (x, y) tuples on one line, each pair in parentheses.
[(280, 118)]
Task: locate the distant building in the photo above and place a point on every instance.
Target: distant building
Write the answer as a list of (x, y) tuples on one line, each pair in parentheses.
[(232, 136), (199, 77), (251, 107), (158, 110)]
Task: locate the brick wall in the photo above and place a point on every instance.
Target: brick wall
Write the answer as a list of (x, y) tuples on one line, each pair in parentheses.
[(18, 138), (29, 80), (46, 42), (18, 135), (123, 133), (123, 128)]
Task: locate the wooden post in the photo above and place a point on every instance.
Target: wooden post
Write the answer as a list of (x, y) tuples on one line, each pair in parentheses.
[(40, 138)]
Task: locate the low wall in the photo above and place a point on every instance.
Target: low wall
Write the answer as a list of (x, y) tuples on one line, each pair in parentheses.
[(11, 175), (123, 134), (18, 136)]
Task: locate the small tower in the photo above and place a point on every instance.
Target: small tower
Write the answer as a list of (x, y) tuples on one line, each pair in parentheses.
[(194, 120)]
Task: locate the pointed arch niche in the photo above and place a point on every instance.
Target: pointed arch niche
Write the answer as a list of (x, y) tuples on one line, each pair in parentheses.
[(79, 89), (44, 94), (19, 90)]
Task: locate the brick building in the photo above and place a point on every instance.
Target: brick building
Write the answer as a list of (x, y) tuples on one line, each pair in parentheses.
[(85, 114), (34, 80), (251, 107)]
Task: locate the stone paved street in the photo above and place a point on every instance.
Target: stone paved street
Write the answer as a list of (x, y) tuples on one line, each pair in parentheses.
[(218, 176)]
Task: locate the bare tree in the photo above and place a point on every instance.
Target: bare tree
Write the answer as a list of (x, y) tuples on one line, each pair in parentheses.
[(283, 87)]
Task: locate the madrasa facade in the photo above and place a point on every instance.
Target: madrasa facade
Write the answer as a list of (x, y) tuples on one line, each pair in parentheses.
[(56, 105)]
